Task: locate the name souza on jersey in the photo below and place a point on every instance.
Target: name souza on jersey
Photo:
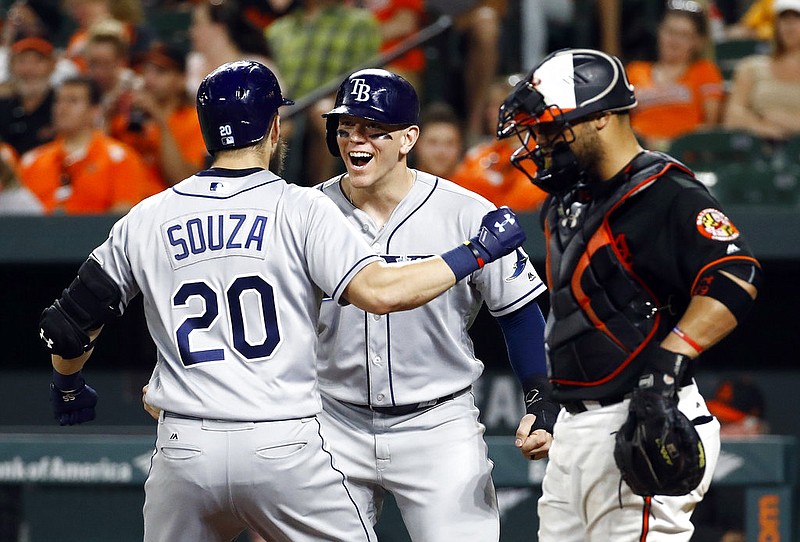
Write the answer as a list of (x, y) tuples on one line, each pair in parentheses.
[(202, 236)]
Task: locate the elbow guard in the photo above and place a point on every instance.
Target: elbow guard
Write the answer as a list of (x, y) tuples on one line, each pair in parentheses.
[(726, 291), (89, 302)]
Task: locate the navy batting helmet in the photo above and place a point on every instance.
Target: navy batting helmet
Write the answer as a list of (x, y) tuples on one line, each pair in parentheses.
[(373, 94), (236, 104), (568, 86)]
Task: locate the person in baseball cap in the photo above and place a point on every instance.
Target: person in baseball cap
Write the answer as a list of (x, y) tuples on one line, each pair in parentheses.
[(160, 120), (785, 5), (739, 406), (39, 45)]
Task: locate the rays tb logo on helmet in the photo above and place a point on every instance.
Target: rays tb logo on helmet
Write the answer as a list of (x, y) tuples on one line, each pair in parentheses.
[(567, 87), (372, 94), (360, 90), (236, 104)]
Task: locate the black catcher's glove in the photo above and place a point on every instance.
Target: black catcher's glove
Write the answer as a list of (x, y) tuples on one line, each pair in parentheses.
[(658, 450)]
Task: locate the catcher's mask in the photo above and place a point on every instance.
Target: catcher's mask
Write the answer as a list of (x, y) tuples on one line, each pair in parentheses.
[(568, 86)]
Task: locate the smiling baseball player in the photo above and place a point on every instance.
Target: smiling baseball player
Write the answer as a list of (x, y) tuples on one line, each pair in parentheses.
[(232, 263), (396, 388)]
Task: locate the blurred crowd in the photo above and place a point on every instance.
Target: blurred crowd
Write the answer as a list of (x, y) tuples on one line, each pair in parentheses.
[(97, 96)]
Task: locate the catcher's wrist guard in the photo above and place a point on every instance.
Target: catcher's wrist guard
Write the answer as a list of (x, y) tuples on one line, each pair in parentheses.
[(662, 371)]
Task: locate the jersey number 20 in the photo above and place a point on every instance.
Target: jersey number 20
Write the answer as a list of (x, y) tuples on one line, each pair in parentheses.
[(235, 316)]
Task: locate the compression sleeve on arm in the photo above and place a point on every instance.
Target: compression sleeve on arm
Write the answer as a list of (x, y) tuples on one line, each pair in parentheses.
[(523, 331)]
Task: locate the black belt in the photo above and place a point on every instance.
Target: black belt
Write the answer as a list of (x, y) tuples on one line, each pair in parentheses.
[(576, 407), (402, 410)]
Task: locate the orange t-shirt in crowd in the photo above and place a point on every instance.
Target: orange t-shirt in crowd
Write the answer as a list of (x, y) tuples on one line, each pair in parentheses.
[(383, 10), (668, 111), (185, 128), (106, 174), (487, 170)]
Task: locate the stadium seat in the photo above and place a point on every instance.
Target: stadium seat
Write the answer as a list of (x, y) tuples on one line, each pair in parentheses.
[(758, 184), (171, 23), (709, 150), (728, 53)]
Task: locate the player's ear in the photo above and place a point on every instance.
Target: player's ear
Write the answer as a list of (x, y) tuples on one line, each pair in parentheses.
[(275, 130), (409, 139)]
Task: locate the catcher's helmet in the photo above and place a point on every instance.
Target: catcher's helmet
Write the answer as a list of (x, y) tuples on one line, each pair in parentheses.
[(568, 86), (236, 104), (372, 94)]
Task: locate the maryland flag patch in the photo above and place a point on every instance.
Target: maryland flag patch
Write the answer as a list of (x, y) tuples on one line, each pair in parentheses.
[(713, 223)]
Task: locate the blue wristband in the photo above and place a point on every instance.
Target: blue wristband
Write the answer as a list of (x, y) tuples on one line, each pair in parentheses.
[(68, 382), (461, 260)]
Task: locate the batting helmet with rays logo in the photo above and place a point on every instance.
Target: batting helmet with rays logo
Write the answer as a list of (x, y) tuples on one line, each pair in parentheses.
[(236, 104), (372, 94), (568, 86)]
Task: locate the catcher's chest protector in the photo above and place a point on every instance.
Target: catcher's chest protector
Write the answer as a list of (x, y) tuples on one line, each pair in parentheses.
[(602, 312)]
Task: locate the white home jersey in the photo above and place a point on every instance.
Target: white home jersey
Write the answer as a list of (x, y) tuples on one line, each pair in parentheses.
[(426, 353), (232, 266)]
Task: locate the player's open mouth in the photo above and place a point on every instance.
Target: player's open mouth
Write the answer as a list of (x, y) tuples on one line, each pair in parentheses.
[(360, 159)]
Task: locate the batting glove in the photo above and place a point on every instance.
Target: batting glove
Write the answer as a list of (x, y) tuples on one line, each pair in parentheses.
[(500, 234), (73, 401)]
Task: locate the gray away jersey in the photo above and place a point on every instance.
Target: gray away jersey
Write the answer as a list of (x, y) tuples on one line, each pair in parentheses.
[(232, 266), (418, 355)]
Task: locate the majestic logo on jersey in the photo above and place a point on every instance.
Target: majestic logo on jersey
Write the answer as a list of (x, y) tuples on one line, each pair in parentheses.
[(198, 237), (507, 219), (360, 90), (713, 223)]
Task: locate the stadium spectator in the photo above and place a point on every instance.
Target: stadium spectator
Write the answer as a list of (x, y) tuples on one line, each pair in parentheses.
[(15, 198), (441, 143), (319, 42), (765, 97), (758, 22), (541, 23), (88, 13), (220, 33), (682, 90), (33, 19), (25, 113), (487, 169), (481, 27), (161, 124), (108, 64), (399, 20), (84, 171)]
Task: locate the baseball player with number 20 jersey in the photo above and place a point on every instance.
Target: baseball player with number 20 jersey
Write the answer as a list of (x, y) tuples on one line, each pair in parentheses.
[(396, 387), (232, 264)]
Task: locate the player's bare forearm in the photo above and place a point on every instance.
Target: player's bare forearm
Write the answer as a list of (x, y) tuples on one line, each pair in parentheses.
[(381, 288), (706, 322)]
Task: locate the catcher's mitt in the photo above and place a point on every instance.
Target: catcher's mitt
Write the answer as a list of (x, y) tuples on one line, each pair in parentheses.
[(658, 449)]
